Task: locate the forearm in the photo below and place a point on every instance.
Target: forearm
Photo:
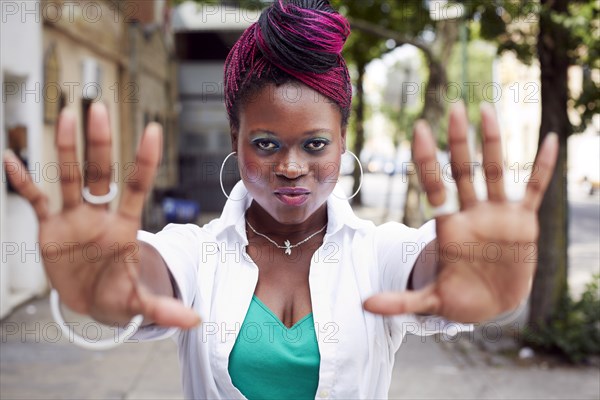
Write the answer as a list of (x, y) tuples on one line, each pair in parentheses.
[(154, 273), (425, 269)]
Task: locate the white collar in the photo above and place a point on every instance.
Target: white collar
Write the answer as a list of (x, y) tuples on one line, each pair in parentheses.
[(339, 213)]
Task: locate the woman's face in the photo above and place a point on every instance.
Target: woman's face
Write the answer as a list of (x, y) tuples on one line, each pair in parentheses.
[(289, 144)]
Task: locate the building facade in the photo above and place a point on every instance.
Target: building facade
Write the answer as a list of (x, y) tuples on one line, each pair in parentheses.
[(115, 52), (21, 272), (203, 36)]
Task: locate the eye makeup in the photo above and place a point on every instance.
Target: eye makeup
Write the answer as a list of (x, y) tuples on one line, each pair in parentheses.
[(316, 144), (265, 141), (268, 141)]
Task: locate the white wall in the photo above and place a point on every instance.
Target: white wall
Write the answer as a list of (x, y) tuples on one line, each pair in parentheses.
[(21, 62)]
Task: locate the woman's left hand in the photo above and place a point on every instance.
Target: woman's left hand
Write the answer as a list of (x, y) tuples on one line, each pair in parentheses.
[(487, 251)]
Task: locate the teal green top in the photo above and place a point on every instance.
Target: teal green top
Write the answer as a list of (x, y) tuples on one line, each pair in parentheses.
[(272, 361)]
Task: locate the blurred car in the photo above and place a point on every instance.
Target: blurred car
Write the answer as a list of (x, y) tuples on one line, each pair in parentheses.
[(381, 164)]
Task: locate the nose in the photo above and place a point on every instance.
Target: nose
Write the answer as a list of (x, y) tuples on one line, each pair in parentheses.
[(292, 166)]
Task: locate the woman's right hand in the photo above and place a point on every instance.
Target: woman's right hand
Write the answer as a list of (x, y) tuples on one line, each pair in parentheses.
[(91, 254)]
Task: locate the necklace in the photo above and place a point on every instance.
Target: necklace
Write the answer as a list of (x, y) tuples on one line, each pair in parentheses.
[(286, 244)]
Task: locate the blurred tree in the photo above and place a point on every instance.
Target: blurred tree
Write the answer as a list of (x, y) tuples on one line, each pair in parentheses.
[(480, 57), (402, 107), (583, 48), (560, 33), (558, 47), (359, 51), (401, 23)]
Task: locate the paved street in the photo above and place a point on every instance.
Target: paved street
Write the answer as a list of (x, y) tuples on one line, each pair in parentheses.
[(36, 362), (34, 365), (584, 237)]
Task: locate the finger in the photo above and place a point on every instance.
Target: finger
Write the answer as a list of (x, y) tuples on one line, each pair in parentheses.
[(423, 301), (21, 181), (542, 172), (459, 155), (167, 311), (70, 175), (492, 154), (140, 182), (427, 165), (98, 169)]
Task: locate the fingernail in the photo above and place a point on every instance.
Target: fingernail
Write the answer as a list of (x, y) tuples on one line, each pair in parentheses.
[(9, 155), (552, 136), (487, 108), (155, 126), (421, 124), (431, 304), (99, 106), (438, 198), (67, 112), (488, 115), (460, 105), (198, 320)]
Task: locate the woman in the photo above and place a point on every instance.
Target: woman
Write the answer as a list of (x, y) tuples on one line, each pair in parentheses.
[(298, 297)]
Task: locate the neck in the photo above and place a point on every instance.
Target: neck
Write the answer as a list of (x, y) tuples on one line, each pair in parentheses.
[(264, 223)]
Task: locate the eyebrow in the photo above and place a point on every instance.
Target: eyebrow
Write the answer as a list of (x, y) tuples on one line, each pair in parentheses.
[(307, 133)]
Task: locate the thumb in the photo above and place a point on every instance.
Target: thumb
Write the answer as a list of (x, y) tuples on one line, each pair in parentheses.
[(167, 311), (423, 301)]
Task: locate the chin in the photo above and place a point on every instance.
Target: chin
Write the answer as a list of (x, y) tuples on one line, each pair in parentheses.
[(290, 215)]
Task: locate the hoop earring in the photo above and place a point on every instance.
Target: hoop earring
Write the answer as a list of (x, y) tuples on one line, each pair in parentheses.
[(361, 177), (221, 177)]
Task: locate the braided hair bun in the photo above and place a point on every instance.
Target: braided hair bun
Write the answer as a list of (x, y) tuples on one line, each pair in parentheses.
[(302, 39), (297, 40)]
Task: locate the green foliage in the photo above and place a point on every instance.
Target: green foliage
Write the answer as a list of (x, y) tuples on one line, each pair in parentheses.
[(583, 23), (514, 26), (574, 329), (511, 25), (588, 102), (407, 17)]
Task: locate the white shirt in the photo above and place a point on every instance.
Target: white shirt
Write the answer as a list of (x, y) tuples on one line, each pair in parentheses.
[(217, 278)]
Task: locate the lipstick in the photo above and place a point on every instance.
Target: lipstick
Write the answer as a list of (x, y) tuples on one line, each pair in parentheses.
[(292, 196)]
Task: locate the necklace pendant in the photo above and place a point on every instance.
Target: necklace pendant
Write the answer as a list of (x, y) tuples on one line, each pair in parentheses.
[(288, 247)]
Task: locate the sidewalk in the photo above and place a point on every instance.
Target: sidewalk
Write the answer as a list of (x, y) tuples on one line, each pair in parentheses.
[(35, 363)]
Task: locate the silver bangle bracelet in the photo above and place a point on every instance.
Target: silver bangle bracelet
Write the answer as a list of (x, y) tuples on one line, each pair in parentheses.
[(131, 328)]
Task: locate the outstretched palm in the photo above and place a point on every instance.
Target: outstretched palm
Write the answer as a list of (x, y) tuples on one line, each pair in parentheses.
[(486, 252), (91, 255)]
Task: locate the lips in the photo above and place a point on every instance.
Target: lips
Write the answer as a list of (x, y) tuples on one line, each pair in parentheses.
[(292, 196)]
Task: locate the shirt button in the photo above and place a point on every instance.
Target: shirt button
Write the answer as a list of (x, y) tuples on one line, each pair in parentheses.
[(323, 393)]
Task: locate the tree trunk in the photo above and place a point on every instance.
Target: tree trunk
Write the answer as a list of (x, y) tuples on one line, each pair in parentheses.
[(434, 107), (433, 110), (437, 55), (550, 282), (360, 128)]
